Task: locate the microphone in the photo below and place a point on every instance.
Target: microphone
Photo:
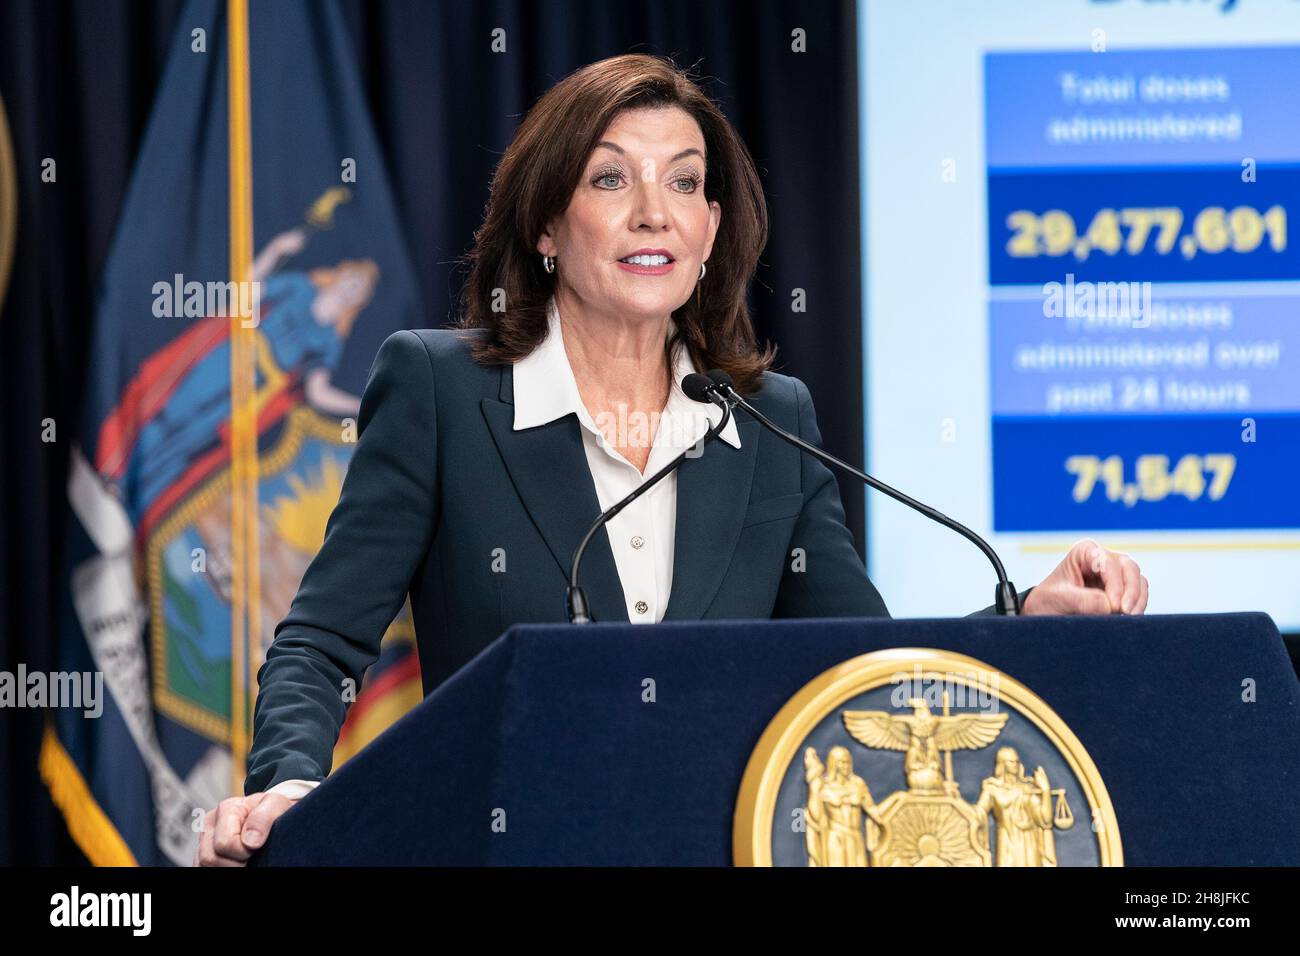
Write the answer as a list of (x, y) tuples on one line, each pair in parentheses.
[(1006, 599), (698, 388)]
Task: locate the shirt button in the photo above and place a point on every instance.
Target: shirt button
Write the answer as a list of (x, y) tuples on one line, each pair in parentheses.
[(642, 607), (637, 542)]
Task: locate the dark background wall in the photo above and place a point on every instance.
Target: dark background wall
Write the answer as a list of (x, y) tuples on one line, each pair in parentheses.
[(77, 81)]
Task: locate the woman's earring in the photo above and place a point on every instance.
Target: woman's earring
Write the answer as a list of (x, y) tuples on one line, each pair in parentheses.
[(548, 263), (702, 270)]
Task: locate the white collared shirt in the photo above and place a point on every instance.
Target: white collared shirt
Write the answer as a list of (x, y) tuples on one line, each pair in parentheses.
[(642, 535)]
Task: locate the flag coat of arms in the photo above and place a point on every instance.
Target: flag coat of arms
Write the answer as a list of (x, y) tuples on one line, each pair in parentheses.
[(256, 268)]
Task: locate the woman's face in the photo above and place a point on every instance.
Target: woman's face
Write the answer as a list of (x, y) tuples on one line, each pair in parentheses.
[(642, 189)]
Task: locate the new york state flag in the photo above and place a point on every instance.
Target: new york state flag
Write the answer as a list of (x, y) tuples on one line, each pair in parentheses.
[(256, 268)]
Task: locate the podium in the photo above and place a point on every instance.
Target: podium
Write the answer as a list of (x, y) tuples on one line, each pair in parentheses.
[(620, 744)]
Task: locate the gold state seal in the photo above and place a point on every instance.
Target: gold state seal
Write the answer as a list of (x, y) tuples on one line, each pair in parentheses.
[(958, 735)]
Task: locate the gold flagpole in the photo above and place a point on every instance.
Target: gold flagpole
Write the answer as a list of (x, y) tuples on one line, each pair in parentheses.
[(245, 615)]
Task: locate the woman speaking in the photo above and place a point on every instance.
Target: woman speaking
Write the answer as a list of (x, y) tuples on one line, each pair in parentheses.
[(625, 222)]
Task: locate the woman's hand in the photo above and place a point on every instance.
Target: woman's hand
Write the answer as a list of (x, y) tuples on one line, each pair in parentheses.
[(237, 828), (1091, 580)]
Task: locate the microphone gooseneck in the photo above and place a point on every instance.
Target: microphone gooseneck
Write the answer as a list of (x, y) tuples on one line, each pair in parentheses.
[(1006, 600), (697, 387)]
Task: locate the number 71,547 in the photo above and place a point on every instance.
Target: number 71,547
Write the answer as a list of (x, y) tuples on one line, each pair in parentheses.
[(1193, 477)]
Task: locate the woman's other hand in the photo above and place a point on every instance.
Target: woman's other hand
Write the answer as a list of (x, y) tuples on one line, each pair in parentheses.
[(238, 827), (1091, 580)]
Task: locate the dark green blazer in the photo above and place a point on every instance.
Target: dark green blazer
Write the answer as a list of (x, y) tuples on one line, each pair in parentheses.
[(440, 480)]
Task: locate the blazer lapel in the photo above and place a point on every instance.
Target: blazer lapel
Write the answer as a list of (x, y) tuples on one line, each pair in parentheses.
[(548, 467), (712, 496)]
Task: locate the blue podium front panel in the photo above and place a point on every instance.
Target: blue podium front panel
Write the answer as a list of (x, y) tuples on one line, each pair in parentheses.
[(626, 745)]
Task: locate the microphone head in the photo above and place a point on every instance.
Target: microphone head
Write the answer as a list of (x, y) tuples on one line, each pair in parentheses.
[(720, 378), (696, 385)]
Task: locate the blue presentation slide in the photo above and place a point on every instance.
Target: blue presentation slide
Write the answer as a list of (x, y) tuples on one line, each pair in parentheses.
[(1083, 295), (1114, 407)]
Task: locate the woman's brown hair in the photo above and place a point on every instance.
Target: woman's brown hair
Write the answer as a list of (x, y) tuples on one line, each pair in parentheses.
[(507, 288)]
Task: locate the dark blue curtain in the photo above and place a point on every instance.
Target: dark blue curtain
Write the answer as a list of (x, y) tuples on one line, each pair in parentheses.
[(77, 80)]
